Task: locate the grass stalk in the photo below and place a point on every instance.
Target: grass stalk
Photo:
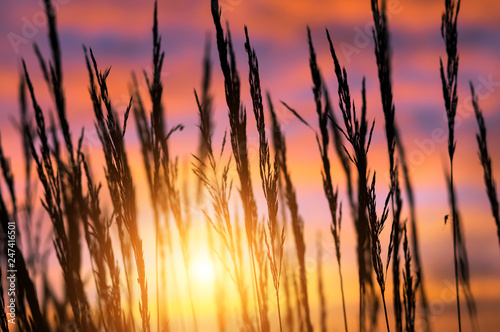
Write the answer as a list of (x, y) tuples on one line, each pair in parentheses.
[(376, 227), (238, 135), (485, 159), (275, 237), (382, 53), (118, 174), (449, 78), (219, 188)]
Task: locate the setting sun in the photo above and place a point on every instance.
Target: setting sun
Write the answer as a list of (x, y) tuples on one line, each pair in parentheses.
[(202, 270)]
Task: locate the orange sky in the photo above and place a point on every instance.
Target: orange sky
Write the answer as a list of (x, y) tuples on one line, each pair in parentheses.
[(120, 34)]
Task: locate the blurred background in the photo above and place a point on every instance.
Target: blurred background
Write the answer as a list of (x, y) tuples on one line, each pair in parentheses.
[(119, 33)]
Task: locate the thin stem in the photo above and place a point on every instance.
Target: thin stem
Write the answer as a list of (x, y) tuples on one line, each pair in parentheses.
[(157, 240), (279, 310), (385, 312), (343, 297), (455, 220)]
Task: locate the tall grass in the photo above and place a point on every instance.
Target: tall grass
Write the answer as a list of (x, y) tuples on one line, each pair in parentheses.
[(238, 137), (449, 79), (376, 227), (274, 237), (219, 189), (356, 131), (118, 174), (485, 159), (298, 234), (382, 52), (83, 232), (26, 286)]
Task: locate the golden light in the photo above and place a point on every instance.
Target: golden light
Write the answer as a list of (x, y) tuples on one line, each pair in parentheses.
[(202, 270)]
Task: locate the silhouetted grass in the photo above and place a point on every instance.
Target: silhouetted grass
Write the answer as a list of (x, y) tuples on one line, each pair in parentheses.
[(238, 135), (73, 199), (275, 237), (3, 317), (356, 133), (485, 159), (376, 227), (449, 78), (382, 52), (118, 174)]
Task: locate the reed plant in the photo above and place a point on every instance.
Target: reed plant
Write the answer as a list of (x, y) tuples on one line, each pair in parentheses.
[(449, 79), (485, 159), (238, 138), (376, 227), (219, 187), (382, 53), (274, 238), (118, 174)]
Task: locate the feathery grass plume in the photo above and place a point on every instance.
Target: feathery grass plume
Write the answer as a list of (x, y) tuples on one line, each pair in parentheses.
[(298, 233), (144, 133), (449, 78), (275, 237), (321, 289), (157, 143), (277, 139), (3, 317), (277, 142), (357, 134), (238, 136), (219, 188), (95, 251), (409, 286), (206, 103), (331, 194), (71, 191), (118, 174), (153, 138), (338, 143), (484, 156), (34, 254), (100, 230), (55, 79), (97, 264), (424, 303), (376, 226), (382, 53), (54, 187), (25, 284), (70, 175)]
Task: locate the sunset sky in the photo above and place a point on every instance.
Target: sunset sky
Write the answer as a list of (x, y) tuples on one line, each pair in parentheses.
[(119, 32)]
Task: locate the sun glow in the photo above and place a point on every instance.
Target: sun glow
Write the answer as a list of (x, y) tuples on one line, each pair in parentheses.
[(202, 270)]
